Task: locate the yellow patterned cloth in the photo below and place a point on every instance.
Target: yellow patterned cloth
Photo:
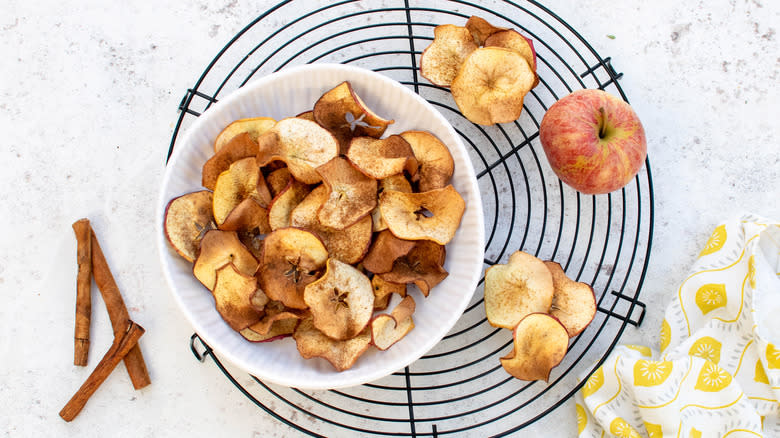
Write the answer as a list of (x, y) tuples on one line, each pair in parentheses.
[(718, 370)]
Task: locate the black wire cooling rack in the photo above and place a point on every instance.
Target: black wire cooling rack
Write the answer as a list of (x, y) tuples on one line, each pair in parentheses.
[(459, 388)]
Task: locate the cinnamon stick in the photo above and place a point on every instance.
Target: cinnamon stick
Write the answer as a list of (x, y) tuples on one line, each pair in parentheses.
[(117, 313), (83, 291), (122, 345)]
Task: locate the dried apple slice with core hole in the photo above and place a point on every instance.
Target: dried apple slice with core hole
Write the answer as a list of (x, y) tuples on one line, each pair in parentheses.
[(422, 265), (573, 303), (279, 330), (383, 252), (187, 218), (292, 258), (351, 194), (386, 329), (232, 293), (491, 85), (252, 127), (512, 39), (341, 354), (433, 215), (218, 248), (480, 29), (240, 146), (540, 343), (522, 286), (381, 158), (284, 203), (302, 144), (434, 160), (440, 61), (243, 180), (278, 180), (341, 301), (348, 245), (395, 182), (341, 111)]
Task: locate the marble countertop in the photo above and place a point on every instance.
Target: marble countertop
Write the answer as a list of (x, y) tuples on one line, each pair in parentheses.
[(88, 99)]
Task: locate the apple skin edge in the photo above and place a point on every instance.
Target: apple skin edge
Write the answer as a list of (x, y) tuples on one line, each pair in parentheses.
[(594, 141)]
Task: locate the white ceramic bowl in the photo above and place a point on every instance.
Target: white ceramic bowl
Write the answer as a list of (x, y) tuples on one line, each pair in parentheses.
[(286, 94)]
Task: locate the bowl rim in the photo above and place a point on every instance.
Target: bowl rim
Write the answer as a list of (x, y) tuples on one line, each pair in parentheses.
[(248, 89)]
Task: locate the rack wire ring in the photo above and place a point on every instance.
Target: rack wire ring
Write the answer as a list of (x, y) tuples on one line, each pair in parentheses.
[(459, 387)]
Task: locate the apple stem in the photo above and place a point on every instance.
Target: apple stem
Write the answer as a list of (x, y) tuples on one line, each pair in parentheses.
[(602, 123)]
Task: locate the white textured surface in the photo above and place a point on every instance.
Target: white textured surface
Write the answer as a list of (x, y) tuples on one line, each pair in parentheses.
[(88, 92)]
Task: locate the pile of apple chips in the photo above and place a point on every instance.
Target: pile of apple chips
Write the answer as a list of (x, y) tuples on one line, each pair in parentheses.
[(308, 225), (542, 306), (489, 69)]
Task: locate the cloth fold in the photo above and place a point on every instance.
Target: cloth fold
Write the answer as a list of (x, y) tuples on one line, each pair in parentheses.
[(717, 372)]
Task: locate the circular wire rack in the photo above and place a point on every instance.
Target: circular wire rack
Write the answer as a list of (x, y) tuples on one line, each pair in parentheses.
[(459, 388)]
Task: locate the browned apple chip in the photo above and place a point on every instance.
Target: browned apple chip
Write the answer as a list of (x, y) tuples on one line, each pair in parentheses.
[(278, 180), (218, 248), (341, 301), (341, 354), (253, 127), (284, 203), (240, 146), (232, 293), (351, 194), (573, 303), (384, 251), (434, 215), (395, 182), (540, 343), (302, 144), (386, 329), (265, 325), (292, 258), (422, 265), (384, 288), (348, 245), (522, 286), (441, 60), (491, 85), (382, 158), (279, 330), (434, 160), (480, 29), (248, 215), (187, 218), (512, 39), (341, 111), (306, 115), (243, 180)]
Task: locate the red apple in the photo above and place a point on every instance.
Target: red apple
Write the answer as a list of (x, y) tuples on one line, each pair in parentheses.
[(594, 141)]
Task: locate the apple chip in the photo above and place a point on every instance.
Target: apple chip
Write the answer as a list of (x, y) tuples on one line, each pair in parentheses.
[(285, 202), (348, 245), (232, 293), (218, 248), (522, 286), (540, 343), (265, 325), (302, 144), (491, 85), (187, 218), (253, 127), (383, 288), (248, 215), (292, 258), (381, 158), (441, 60), (386, 329), (512, 39), (240, 146), (422, 265), (342, 112), (306, 115), (341, 301), (434, 160), (573, 303), (351, 194), (279, 329), (278, 180), (434, 215), (395, 182), (384, 251), (341, 354), (243, 180), (480, 29)]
